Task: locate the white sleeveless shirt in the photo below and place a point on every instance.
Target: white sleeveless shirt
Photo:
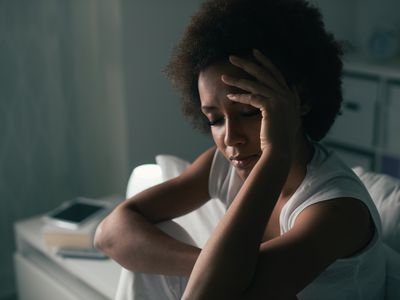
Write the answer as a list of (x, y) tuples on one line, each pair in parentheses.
[(359, 277)]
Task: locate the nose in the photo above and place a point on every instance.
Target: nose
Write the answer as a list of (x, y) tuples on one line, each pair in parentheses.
[(234, 133)]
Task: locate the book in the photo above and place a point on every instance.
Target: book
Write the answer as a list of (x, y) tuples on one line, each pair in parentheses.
[(56, 236), (81, 238)]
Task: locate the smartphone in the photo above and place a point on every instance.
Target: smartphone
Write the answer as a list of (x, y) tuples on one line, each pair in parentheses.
[(75, 213)]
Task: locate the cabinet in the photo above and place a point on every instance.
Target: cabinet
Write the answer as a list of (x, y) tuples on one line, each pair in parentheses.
[(367, 133), (356, 124)]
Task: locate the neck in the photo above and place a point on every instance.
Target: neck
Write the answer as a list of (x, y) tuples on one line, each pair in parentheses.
[(298, 170)]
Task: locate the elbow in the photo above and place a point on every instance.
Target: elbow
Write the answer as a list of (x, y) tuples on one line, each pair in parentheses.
[(105, 238), (101, 240)]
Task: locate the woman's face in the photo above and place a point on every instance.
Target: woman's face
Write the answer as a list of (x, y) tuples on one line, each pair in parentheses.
[(235, 127)]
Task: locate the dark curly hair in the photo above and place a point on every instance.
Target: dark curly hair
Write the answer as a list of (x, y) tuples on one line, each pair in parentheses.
[(290, 33)]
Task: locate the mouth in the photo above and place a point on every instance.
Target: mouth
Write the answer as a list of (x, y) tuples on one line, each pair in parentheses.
[(244, 162)]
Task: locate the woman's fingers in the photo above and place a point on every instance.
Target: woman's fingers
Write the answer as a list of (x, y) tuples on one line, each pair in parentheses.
[(257, 89), (250, 99), (269, 86), (248, 85), (259, 72), (266, 63)]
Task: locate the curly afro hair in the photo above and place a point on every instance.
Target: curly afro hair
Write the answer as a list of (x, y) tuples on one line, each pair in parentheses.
[(290, 33)]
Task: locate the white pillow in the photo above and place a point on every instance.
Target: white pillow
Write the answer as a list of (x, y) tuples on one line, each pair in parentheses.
[(385, 192), (143, 177), (147, 175), (171, 166)]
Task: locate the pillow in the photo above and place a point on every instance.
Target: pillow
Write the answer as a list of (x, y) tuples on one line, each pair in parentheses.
[(171, 166), (385, 192), (147, 175)]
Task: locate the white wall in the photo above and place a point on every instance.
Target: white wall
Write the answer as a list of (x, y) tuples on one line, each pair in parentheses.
[(338, 16), (372, 15), (156, 125), (356, 20)]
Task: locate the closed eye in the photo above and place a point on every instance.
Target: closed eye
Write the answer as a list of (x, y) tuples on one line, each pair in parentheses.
[(215, 122), (246, 114), (251, 113)]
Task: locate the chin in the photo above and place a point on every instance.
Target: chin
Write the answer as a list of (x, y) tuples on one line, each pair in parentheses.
[(245, 172)]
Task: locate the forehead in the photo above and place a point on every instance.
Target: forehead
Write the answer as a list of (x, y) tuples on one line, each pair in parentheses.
[(212, 89)]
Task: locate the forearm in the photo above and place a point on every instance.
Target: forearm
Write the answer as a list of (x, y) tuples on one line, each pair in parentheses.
[(228, 261), (140, 246)]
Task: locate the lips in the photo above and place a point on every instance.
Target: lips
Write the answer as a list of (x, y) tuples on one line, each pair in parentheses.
[(244, 162)]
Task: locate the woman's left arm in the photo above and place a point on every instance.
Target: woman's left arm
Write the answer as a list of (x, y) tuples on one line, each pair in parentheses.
[(228, 261)]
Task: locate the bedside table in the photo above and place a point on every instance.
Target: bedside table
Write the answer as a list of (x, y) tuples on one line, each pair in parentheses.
[(42, 275)]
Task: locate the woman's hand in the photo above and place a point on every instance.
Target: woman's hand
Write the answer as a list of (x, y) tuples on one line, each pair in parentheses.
[(269, 92)]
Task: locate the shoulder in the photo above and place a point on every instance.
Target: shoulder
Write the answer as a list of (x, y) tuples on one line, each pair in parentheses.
[(342, 226), (335, 207), (332, 212), (323, 233), (329, 181)]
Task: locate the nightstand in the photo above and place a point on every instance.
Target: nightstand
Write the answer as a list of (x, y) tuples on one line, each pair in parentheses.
[(42, 275)]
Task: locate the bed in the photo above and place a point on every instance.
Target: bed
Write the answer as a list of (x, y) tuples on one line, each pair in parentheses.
[(384, 190)]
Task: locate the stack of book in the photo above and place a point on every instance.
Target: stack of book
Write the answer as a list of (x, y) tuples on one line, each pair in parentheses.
[(76, 240), (76, 243)]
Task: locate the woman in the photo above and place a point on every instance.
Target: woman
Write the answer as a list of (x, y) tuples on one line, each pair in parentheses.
[(263, 77)]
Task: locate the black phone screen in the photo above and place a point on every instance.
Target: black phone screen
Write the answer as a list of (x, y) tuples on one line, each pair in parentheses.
[(77, 212)]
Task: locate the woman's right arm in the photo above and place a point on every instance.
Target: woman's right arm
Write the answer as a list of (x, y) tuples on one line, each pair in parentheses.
[(129, 235)]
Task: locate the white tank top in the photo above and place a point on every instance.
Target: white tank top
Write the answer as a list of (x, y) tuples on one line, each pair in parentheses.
[(360, 277)]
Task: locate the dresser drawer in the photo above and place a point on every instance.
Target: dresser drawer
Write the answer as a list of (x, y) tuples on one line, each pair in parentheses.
[(392, 137), (355, 126), (34, 283)]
